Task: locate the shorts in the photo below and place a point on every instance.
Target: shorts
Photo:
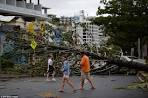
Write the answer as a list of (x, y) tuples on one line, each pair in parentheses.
[(51, 69), (85, 75), (65, 76)]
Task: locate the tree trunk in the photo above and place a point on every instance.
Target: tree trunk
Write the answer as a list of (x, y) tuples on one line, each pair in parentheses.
[(132, 51), (144, 52)]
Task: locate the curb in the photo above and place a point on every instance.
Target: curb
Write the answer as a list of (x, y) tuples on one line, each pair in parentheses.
[(7, 76)]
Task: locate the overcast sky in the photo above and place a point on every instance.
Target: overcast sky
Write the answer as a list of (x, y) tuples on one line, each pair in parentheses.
[(71, 7)]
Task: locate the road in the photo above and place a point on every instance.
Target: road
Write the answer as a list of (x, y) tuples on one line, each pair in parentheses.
[(38, 87)]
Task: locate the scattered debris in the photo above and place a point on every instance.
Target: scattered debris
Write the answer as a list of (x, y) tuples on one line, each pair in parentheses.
[(138, 85), (142, 85), (48, 95)]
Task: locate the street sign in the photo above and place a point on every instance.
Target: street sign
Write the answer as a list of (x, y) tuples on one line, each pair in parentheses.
[(33, 44)]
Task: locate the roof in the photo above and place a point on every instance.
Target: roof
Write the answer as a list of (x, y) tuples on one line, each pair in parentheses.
[(6, 18), (43, 7)]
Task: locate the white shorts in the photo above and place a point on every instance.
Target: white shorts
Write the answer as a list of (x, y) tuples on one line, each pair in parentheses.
[(65, 76)]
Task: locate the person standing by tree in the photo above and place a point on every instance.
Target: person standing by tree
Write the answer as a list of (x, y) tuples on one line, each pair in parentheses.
[(50, 69), (85, 70)]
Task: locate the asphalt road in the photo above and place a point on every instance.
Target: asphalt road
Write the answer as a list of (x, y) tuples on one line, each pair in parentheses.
[(38, 87)]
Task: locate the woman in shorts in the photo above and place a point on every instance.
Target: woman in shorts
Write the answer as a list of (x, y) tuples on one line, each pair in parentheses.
[(66, 73)]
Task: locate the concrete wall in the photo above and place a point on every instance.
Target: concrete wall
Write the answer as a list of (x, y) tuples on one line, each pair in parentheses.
[(11, 2), (3, 1), (37, 7), (30, 5), (21, 4)]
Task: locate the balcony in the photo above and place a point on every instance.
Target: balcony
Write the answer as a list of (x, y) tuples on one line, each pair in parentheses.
[(20, 8)]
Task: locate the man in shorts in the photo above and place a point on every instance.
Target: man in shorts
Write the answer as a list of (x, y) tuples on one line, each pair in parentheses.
[(50, 69), (85, 70)]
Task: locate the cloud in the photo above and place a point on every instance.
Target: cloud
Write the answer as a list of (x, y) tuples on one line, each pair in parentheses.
[(71, 7)]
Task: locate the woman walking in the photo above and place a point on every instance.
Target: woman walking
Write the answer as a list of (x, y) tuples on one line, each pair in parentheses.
[(66, 73)]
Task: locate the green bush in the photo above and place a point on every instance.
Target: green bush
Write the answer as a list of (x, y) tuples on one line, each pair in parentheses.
[(7, 64), (37, 70)]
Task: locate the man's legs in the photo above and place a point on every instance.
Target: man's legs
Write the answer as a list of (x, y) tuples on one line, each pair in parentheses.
[(90, 81), (86, 76), (82, 81)]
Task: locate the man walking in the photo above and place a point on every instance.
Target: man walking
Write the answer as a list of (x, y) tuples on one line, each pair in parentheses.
[(50, 69), (85, 70)]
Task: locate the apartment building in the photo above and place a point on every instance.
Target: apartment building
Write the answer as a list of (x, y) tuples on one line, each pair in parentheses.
[(88, 33)]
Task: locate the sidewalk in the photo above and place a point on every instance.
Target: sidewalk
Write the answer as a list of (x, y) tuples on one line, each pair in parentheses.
[(8, 76)]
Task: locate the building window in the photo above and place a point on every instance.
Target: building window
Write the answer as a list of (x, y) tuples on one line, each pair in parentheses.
[(84, 40), (84, 33), (84, 36)]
